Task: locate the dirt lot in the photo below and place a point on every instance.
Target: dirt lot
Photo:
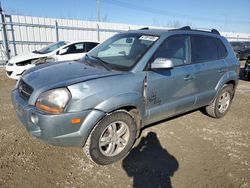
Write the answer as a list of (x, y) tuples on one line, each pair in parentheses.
[(189, 151)]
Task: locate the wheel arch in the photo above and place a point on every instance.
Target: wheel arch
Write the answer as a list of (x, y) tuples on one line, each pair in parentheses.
[(136, 114), (229, 78), (129, 102)]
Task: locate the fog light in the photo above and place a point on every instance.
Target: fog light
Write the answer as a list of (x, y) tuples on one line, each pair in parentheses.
[(34, 119)]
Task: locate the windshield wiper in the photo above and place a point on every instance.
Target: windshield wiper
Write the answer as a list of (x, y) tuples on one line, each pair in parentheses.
[(104, 64)]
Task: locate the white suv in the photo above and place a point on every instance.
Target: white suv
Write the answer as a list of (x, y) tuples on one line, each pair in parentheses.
[(59, 51)]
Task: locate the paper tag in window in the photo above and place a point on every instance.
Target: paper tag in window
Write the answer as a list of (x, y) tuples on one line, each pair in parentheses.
[(149, 38)]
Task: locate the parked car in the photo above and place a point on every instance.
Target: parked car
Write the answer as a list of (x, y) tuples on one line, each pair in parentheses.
[(59, 51), (243, 54), (131, 80), (241, 49), (247, 68)]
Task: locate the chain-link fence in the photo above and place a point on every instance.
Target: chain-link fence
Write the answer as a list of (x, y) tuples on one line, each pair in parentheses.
[(22, 34)]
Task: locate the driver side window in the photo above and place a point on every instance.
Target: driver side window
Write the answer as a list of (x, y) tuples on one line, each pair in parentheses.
[(174, 48)]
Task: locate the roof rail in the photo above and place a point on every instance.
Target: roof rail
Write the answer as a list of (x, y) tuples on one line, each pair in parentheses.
[(185, 28), (215, 31), (144, 28)]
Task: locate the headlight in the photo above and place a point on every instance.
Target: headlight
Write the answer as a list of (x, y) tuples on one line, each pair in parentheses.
[(53, 101)]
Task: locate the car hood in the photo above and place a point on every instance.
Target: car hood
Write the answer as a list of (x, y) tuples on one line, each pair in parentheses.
[(25, 57), (54, 75)]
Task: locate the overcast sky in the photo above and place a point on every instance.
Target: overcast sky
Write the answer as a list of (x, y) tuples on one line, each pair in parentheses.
[(224, 15)]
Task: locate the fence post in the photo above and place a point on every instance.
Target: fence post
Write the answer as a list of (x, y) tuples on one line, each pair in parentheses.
[(13, 35), (56, 29), (98, 32), (5, 36)]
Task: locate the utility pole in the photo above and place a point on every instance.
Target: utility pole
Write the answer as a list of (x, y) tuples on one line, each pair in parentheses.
[(98, 10), (98, 18)]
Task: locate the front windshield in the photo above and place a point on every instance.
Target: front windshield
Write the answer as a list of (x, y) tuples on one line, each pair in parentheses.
[(123, 51), (51, 47)]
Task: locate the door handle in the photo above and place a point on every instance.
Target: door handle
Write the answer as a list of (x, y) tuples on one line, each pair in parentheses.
[(188, 77), (221, 71)]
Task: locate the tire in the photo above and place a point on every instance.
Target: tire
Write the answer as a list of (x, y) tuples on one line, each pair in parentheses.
[(221, 103), (248, 76), (112, 138)]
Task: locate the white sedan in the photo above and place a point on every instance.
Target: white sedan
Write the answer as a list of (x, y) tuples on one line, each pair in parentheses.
[(59, 51)]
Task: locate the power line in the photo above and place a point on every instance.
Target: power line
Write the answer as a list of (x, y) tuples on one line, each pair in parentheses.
[(168, 13)]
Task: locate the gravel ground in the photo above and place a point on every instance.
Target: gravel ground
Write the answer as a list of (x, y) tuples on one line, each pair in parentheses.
[(192, 150)]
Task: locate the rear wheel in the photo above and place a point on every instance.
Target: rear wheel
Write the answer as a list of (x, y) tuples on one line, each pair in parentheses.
[(248, 75), (112, 138), (221, 103)]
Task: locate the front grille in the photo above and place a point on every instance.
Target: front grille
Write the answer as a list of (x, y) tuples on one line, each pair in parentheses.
[(9, 72), (24, 90)]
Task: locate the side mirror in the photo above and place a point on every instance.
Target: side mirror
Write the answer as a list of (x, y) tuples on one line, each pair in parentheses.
[(162, 63), (62, 51)]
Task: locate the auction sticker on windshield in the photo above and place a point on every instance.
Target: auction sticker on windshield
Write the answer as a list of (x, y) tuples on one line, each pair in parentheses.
[(149, 38)]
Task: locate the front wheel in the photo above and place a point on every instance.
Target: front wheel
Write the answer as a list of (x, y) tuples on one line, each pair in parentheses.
[(221, 103), (112, 138)]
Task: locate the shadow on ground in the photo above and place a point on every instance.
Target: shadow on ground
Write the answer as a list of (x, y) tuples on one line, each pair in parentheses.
[(149, 164)]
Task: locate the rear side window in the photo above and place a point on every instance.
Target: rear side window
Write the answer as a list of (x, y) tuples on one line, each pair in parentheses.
[(206, 48), (221, 48), (75, 48), (90, 45)]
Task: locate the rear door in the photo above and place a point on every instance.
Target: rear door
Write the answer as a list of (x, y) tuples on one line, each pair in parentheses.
[(90, 45), (171, 91), (208, 55)]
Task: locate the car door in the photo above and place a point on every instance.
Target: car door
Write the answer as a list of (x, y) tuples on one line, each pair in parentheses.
[(208, 55), (74, 51), (170, 91)]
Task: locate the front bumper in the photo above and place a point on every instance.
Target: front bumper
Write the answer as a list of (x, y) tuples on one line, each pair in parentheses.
[(56, 129), (15, 72)]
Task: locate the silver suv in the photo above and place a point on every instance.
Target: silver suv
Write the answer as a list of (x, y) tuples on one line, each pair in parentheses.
[(131, 80)]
